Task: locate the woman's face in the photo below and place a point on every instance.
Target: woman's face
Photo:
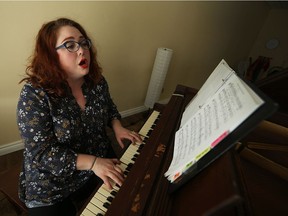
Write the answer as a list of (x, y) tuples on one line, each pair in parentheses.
[(75, 64)]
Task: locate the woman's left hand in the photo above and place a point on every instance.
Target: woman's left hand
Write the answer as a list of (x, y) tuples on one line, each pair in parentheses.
[(122, 133)]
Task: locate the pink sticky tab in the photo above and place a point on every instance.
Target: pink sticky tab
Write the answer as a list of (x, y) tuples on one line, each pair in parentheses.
[(221, 137)]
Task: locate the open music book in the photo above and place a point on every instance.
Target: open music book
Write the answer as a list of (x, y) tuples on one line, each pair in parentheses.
[(218, 109)]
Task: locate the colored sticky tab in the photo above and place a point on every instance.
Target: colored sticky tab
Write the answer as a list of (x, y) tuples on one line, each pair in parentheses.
[(219, 139), (203, 153), (188, 165), (177, 175)]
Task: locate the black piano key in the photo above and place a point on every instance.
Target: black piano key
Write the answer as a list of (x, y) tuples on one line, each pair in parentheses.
[(110, 198), (149, 133), (114, 193), (106, 205), (129, 166), (140, 147), (135, 155)]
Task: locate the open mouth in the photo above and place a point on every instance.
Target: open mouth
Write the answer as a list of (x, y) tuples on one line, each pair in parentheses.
[(83, 63)]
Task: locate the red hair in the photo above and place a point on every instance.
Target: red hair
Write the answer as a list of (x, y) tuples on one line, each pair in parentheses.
[(44, 68)]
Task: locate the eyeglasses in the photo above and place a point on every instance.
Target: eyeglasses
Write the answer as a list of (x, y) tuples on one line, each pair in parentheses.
[(73, 46)]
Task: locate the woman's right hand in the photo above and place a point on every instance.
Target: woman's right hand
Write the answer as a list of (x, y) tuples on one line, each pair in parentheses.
[(107, 170)]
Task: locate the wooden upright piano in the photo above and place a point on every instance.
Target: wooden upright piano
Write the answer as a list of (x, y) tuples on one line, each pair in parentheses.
[(228, 186)]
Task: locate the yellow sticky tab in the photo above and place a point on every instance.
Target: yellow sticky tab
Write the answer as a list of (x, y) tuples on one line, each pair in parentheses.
[(203, 153)]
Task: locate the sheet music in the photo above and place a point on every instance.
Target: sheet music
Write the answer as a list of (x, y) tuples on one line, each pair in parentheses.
[(207, 125), (209, 88)]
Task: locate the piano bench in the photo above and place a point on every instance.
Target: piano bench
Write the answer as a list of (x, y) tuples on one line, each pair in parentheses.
[(9, 187)]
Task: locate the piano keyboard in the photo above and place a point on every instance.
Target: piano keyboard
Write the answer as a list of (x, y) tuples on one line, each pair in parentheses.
[(103, 198)]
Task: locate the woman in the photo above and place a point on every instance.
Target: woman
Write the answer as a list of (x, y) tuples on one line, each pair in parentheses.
[(63, 111)]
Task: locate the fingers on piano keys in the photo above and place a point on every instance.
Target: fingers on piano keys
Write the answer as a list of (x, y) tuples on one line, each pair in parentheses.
[(101, 201)]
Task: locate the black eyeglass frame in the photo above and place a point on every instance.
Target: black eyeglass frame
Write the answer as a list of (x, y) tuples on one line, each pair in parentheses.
[(79, 44)]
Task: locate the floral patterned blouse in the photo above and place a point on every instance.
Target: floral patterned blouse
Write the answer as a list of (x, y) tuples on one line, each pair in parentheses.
[(54, 131)]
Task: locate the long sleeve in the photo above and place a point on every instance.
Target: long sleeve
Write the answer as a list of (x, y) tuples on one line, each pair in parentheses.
[(42, 149)]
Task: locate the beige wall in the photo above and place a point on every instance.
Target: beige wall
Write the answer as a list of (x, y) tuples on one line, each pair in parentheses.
[(127, 35), (273, 28)]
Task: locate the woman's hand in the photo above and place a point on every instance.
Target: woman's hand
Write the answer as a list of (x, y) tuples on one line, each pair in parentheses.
[(122, 133), (107, 170)]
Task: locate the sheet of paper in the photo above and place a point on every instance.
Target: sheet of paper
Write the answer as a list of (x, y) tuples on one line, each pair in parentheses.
[(217, 78), (223, 111)]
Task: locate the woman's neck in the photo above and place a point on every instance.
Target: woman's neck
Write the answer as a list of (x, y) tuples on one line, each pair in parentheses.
[(76, 88)]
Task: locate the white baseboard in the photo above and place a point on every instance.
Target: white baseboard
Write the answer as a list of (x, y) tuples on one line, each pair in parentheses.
[(133, 111), (140, 109), (11, 147)]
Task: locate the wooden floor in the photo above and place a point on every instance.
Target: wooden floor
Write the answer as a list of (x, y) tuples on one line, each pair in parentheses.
[(134, 122)]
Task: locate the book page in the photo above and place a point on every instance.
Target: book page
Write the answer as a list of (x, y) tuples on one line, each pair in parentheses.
[(216, 79), (223, 111)]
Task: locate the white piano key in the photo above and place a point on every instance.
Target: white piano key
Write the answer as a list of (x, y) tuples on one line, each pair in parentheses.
[(132, 148), (114, 186), (122, 166), (127, 154), (102, 198), (130, 155), (126, 160), (104, 192), (94, 209), (130, 151), (87, 212), (98, 204)]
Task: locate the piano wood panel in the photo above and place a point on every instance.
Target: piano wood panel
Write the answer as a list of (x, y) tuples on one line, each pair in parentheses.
[(137, 187), (225, 187)]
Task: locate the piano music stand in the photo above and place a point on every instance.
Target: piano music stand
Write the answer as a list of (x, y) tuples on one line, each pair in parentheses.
[(263, 112)]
